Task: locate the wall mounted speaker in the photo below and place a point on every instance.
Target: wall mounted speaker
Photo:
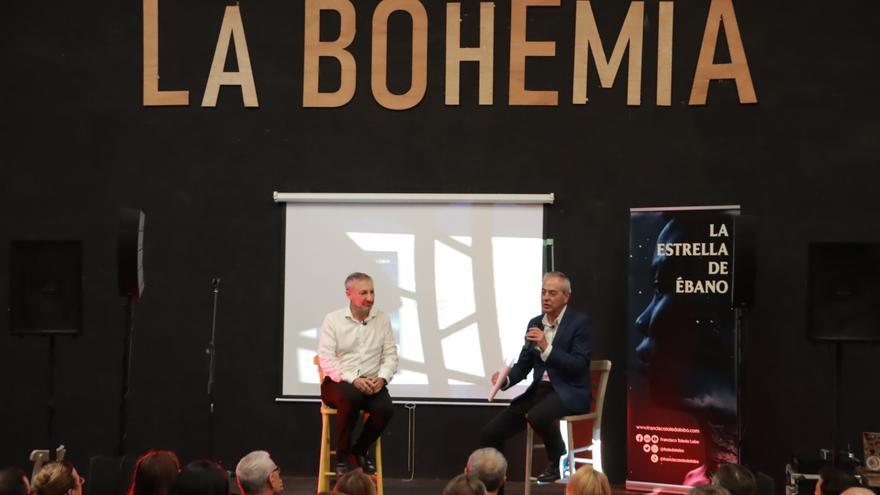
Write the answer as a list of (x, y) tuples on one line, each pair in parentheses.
[(843, 291), (744, 265), (130, 253), (46, 287)]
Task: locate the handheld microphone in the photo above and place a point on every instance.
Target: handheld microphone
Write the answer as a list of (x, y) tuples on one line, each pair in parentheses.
[(530, 345)]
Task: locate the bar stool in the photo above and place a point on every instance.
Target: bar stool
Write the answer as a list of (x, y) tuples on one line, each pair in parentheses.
[(600, 370), (324, 470)]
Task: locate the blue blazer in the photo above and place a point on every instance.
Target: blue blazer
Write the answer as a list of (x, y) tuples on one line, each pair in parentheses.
[(568, 364)]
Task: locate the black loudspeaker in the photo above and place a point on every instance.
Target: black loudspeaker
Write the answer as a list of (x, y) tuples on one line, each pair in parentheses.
[(46, 287), (743, 293), (130, 253), (843, 291)]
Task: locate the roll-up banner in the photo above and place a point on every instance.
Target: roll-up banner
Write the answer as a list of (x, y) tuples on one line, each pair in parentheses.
[(682, 400)]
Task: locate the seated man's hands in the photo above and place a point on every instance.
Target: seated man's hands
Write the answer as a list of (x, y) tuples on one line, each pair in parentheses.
[(362, 385), (376, 383), (369, 385)]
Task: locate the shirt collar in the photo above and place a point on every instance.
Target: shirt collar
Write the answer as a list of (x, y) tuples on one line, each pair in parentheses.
[(554, 324), (351, 317)]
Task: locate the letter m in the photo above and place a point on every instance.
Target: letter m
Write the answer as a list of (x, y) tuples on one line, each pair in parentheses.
[(586, 41)]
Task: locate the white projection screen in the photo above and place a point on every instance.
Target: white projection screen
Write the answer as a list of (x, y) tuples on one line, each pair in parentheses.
[(459, 282)]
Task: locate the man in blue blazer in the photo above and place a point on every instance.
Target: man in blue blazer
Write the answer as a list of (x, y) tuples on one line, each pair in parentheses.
[(558, 346)]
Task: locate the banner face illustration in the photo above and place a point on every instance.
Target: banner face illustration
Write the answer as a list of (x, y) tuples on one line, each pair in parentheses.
[(682, 400)]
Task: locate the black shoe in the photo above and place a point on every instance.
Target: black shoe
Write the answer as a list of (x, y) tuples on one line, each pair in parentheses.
[(550, 474), (344, 464), (366, 464)]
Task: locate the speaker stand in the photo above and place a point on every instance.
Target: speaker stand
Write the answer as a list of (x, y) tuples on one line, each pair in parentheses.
[(738, 319), (835, 401), (50, 402), (211, 351), (127, 343)]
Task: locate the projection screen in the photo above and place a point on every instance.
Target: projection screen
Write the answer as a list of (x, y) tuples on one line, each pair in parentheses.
[(458, 279)]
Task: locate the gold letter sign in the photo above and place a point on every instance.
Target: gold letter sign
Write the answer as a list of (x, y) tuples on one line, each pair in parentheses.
[(152, 95), (721, 11)]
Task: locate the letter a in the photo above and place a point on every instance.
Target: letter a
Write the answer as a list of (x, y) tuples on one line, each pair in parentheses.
[(721, 11), (244, 78)]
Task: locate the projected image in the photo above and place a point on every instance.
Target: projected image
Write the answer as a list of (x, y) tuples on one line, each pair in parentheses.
[(459, 285)]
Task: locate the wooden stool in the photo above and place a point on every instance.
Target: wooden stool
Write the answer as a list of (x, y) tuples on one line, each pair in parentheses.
[(324, 469), (599, 383)]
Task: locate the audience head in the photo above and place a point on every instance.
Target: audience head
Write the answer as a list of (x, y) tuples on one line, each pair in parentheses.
[(355, 483), (464, 484), (736, 478), (13, 481), (154, 472), (834, 481), (709, 490), (201, 478), (588, 481), (257, 473), (58, 478), (858, 490), (489, 466)]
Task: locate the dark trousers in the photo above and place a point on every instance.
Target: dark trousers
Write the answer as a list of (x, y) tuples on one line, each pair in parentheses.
[(348, 402), (542, 408)]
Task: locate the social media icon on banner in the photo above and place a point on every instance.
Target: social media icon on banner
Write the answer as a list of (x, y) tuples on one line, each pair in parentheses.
[(646, 447), (639, 437), (655, 438), (655, 449), (655, 458)]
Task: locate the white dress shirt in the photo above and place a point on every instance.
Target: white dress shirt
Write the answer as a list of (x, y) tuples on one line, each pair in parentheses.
[(349, 348), (549, 333)]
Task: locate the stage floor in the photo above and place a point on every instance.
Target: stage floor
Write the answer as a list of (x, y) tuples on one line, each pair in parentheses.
[(396, 486)]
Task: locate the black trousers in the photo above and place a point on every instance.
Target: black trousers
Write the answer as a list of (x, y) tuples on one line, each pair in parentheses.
[(349, 402), (541, 408)]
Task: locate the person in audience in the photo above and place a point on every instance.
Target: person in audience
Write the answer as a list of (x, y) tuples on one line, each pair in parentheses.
[(858, 490), (489, 466), (465, 484), (14, 481), (588, 481), (708, 490), (154, 472), (355, 483), (202, 477), (358, 357), (258, 474), (736, 478), (834, 481), (58, 478)]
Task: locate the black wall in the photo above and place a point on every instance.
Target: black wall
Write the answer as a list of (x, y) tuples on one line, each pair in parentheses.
[(77, 145)]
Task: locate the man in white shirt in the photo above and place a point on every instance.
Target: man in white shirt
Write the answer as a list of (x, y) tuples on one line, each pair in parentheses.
[(358, 357)]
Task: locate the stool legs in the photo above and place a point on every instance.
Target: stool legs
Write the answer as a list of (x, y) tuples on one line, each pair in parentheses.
[(529, 441), (378, 476), (325, 471)]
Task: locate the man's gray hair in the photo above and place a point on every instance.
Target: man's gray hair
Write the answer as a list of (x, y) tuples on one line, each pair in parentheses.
[(355, 277), (489, 466), (253, 471), (566, 283)]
